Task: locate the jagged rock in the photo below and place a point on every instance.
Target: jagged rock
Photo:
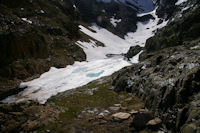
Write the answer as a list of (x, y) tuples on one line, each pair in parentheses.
[(160, 21), (134, 50), (166, 8), (121, 116), (145, 18), (174, 34)]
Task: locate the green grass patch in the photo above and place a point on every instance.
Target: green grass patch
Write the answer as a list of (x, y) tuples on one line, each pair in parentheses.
[(75, 103)]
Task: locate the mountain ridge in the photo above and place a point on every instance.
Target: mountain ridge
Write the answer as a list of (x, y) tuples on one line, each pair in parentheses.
[(166, 80)]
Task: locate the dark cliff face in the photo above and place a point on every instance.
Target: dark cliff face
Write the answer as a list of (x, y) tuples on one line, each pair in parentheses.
[(179, 32), (166, 8), (169, 9), (34, 36), (99, 12)]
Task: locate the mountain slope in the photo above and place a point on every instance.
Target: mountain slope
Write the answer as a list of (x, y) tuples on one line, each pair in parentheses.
[(167, 77), (33, 38), (101, 61)]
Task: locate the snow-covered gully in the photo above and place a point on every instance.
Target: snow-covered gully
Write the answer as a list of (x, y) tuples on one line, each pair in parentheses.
[(96, 66)]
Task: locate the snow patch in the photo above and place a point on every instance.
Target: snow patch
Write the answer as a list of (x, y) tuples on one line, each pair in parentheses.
[(114, 21), (179, 2), (60, 80), (42, 11), (74, 6), (145, 29), (113, 44), (26, 20)]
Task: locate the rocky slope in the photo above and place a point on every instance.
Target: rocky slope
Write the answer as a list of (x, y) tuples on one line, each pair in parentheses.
[(119, 17), (171, 9), (167, 78), (34, 36)]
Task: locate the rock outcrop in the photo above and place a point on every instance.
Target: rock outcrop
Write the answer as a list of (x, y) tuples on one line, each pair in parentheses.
[(169, 84), (168, 77), (178, 32), (134, 50), (171, 9)]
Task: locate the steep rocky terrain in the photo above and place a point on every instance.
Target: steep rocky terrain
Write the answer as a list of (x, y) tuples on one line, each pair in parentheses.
[(123, 14), (160, 94), (34, 36), (92, 11), (167, 78), (171, 9)]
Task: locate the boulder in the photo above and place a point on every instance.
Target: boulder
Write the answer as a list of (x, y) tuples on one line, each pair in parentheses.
[(154, 124), (140, 120), (154, 121), (121, 116), (190, 128), (134, 50)]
